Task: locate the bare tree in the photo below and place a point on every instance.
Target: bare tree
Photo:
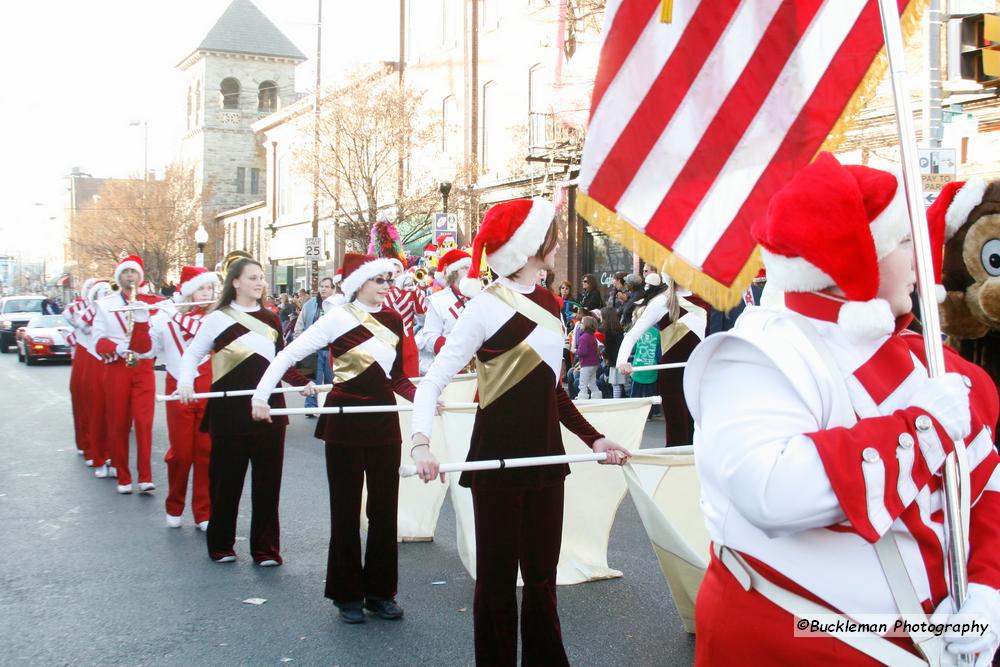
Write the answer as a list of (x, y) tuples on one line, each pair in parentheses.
[(154, 219), (364, 127)]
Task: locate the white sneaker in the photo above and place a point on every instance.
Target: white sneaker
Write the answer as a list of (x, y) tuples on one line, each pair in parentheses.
[(89, 463), (101, 472), (146, 487), (80, 452), (203, 526), (124, 488), (268, 563), (226, 559), (112, 471), (172, 521)]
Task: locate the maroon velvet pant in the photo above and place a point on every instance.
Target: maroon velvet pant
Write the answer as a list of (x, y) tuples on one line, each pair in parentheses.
[(670, 386), (264, 451), (347, 468), (517, 526)]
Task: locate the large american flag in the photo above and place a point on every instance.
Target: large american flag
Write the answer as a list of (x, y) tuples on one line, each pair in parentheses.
[(702, 109)]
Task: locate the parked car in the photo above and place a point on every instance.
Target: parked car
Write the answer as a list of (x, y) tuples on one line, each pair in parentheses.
[(15, 311), (44, 337)]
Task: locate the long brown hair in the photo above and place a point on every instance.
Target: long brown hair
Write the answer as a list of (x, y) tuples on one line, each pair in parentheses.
[(548, 244), (235, 270)]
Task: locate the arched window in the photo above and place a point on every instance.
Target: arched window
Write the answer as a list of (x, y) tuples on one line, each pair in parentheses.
[(230, 90), (197, 103), (267, 96)]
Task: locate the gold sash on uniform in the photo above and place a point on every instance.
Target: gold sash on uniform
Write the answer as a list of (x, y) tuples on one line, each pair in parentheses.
[(357, 360), (502, 373), (236, 352), (675, 331)]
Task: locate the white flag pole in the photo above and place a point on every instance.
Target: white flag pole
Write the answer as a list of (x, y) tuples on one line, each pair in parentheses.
[(142, 305), (368, 409), (956, 465), (239, 392), (659, 367), (408, 469)]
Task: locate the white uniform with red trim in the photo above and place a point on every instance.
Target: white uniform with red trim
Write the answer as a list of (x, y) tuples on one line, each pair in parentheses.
[(171, 333), (798, 480), (443, 309)]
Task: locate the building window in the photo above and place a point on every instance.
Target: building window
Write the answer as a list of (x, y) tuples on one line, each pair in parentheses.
[(489, 120), (246, 237), (254, 181), (241, 177), (230, 91), (447, 25), (536, 108), (188, 117), (449, 126), (489, 14), (197, 103), (267, 96)]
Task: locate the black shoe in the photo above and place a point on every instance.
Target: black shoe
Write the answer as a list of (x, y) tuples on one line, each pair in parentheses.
[(387, 609), (310, 416), (350, 613)]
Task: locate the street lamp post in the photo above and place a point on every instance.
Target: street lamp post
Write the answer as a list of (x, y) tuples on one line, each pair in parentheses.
[(201, 238), (445, 189)]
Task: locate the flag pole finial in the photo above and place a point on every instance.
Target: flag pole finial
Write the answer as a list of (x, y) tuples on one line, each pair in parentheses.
[(666, 10)]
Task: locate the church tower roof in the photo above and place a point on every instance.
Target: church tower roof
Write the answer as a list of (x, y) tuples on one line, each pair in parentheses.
[(243, 28)]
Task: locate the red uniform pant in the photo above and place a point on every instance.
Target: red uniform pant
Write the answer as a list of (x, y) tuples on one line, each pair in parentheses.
[(264, 451), (189, 447), (95, 372), (78, 398), (347, 468), (130, 397), (740, 627), (517, 526)]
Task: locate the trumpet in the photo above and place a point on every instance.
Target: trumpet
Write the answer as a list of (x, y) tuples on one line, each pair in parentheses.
[(420, 274)]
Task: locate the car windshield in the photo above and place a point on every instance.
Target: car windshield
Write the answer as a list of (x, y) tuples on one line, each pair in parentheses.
[(22, 306), (39, 321)]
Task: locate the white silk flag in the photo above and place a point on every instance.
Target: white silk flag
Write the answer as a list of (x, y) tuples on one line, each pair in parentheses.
[(593, 492), (665, 492)]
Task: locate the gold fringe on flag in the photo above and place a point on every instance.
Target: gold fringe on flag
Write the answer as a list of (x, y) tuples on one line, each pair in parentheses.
[(723, 296), (719, 295)]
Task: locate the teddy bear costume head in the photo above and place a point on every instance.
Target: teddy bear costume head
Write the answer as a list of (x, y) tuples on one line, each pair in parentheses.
[(970, 270)]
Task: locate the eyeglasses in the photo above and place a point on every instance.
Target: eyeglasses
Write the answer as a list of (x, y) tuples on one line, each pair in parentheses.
[(380, 280)]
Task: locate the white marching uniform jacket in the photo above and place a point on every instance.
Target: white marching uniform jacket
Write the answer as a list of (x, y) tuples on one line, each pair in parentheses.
[(172, 332), (115, 327), (443, 309), (803, 471)]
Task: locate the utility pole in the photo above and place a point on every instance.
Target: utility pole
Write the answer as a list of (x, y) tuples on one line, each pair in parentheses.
[(473, 177), (314, 269), (404, 141), (934, 126)]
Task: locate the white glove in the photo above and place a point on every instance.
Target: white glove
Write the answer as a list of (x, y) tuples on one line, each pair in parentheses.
[(982, 604), (121, 349), (140, 315), (946, 398)]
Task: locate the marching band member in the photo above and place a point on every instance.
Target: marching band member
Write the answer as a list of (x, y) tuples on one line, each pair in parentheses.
[(242, 336), (444, 306), (364, 337), (92, 383), (682, 320), (72, 314), (122, 339), (820, 440), (189, 445), (407, 301), (513, 331)]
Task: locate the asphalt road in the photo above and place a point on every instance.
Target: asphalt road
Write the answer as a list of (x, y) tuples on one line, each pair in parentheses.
[(89, 577)]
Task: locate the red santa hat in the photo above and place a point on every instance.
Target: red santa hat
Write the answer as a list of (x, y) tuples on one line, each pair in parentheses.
[(453, 261), (511, 232), (129, 262), (359, 269), (829, 226), (430, 249), (947, 215), (193, 277)]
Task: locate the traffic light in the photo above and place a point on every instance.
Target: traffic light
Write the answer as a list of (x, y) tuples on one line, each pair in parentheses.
[(980, 55)]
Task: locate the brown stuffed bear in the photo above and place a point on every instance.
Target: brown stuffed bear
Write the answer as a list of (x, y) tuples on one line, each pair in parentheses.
[(970, 269)]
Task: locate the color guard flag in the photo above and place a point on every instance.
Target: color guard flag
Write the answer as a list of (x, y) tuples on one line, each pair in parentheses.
[(701, 110)]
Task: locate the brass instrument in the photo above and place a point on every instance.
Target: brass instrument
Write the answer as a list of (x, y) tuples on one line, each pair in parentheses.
[(131, 358), (420, 274)]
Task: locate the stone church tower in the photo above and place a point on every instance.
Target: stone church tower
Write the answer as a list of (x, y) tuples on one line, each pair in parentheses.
[(243, 70)]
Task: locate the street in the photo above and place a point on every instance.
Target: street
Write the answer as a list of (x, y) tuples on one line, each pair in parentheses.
[(90, 577)]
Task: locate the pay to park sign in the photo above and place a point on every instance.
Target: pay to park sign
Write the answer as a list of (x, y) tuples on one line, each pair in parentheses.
[(938, 167)]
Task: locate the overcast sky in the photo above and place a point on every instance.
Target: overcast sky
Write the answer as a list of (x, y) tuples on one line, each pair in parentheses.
[(78, 72)]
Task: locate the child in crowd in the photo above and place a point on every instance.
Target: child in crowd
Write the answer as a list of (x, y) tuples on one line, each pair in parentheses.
[(590, 358)]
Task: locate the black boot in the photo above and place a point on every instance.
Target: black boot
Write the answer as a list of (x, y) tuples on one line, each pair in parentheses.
[(350, 612), (387, 609)]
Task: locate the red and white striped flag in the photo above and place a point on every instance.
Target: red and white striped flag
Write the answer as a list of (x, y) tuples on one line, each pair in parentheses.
[(702, 109)]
